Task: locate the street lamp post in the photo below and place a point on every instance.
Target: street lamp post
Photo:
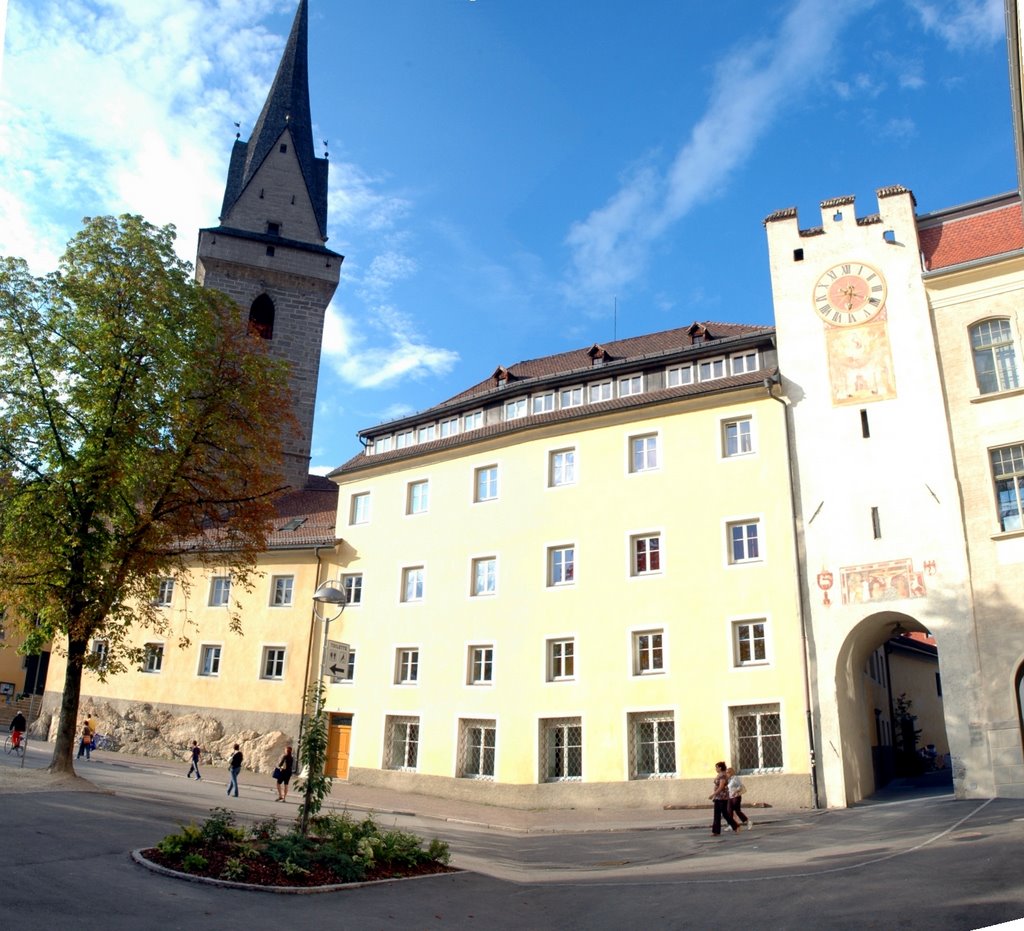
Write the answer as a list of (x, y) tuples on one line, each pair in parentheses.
[(329, 602)]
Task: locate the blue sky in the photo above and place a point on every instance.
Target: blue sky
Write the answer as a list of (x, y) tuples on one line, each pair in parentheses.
[(505, 173)]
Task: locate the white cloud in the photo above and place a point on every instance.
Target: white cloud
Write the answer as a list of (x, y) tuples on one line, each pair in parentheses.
[(610, 247), (395, 352), (962, 24), (116, 105), (899, 128)]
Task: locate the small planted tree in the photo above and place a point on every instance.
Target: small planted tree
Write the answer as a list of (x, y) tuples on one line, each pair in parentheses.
[(139, 435), (315, 785)]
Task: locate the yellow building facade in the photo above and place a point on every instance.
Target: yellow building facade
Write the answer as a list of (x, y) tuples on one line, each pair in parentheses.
[(576, 583)]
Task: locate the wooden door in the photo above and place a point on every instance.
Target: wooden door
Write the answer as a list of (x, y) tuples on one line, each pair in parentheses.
[(338, 740)]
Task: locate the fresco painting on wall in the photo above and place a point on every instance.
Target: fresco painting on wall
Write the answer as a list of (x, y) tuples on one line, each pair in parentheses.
[(881, 581), (860, 363)]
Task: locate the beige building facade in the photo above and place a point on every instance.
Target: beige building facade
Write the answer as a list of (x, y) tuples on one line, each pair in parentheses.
[(575, 582)]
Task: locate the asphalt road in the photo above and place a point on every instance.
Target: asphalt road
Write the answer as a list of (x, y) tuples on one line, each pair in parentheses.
[(932, 863)]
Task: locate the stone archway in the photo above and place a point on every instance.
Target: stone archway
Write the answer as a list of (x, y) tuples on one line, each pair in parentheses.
[(872, 747)]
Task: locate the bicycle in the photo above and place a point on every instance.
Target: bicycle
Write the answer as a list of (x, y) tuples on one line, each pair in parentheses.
[(9, 746)]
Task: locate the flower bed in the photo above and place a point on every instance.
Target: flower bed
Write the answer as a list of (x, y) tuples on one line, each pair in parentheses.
[(339, 849)]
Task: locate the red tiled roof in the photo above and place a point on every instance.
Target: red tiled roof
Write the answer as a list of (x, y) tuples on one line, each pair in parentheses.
[(315, 506), (973, 236)]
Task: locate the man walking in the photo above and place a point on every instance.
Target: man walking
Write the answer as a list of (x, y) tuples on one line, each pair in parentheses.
[(234, 768), (195, 753)]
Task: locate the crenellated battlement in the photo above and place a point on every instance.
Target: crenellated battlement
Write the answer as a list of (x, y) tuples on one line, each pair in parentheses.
[(896, 205)]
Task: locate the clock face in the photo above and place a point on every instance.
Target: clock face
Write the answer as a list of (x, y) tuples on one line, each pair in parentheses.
[(849, 294)]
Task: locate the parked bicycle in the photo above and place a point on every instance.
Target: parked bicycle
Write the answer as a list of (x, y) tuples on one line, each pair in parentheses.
[(10, 747)]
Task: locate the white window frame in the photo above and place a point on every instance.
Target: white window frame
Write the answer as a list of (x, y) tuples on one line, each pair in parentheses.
[(401, 732), (543, 403), (569, 727), (561, 572), (570, 397), (648, 651), (742, 362), (644, 450), (210, 657), (484, 576), (164, 593), (220, 591), (282, 591), (560, 659), (427, 433), (600, 391), (678, 375), (631, 384), (515, 408), (403, 439), (746, 558), (712, 369), (474, 420), (759, 737), (485, 485), (449, 427), (744, 631), (275, 672), (359, 508), (477, 737), (743, 437), (660, 768), (413, 584), (153, 660), (480, 664), (407, 665), (383, 444), (352, 583), (417, 498), (646, 539), (1007, 464), (562, 467), (101, 647), (994, 360)]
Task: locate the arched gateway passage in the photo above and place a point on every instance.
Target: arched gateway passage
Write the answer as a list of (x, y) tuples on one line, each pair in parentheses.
[(889, 703)]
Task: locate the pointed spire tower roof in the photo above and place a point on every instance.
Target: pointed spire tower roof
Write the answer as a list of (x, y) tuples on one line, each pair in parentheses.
[(286, 108)]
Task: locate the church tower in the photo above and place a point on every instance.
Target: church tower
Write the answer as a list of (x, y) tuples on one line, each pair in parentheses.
[(269, 252)]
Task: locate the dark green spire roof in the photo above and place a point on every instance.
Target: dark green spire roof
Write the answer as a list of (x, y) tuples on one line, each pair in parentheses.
[(287, 107)]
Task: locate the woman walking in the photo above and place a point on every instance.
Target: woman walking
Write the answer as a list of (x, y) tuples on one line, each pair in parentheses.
[(284, 774), (720, 797)]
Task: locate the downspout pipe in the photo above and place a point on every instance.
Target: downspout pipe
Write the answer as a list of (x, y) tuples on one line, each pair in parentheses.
[(769, 383)]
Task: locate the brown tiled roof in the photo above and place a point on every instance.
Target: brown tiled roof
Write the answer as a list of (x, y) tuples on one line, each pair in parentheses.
[(306, 517), (634, 347), (977, 235), (646, 399)]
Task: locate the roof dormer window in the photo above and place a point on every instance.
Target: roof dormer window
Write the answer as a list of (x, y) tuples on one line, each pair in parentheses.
[(283, 147)]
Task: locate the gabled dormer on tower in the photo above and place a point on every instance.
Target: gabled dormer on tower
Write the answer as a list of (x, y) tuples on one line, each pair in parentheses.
[(268, 252)]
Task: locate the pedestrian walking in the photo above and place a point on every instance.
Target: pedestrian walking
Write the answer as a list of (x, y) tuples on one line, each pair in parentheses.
[(234, 768), (195, 755), (736, 790), (283, 774), (720, 797), (85, 742)]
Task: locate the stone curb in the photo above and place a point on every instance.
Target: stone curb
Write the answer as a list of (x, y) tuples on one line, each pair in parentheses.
[(138, 858)]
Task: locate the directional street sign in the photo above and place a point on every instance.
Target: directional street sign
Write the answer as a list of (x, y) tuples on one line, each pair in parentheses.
[(336, 658)]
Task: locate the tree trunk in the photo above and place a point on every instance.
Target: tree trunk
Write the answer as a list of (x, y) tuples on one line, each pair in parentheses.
[(67, 729)]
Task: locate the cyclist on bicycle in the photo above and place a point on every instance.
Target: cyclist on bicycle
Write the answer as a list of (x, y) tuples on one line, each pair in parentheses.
[(17, 729)]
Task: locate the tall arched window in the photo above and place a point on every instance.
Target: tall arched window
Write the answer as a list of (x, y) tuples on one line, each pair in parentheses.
[(995, 361), (261, 317)]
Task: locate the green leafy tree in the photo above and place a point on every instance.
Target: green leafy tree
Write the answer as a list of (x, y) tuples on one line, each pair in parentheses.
[(139, 436), (315, 785)]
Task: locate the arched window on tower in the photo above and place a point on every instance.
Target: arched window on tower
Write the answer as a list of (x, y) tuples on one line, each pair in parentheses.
[(261, 317)]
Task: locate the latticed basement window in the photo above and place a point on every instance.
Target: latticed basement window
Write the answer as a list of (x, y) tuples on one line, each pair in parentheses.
[(401, 742), (476, 749), (561, 749), (652, 745), (757, 738)]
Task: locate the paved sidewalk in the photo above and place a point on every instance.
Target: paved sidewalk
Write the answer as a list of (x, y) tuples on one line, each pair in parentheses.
[(258, 793)]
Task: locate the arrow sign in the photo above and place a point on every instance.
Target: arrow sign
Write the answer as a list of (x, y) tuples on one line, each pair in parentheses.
[(336, 658)]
